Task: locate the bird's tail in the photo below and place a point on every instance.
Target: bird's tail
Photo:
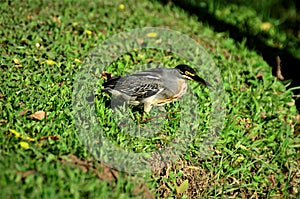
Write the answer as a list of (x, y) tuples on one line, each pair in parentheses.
[(110, 83)]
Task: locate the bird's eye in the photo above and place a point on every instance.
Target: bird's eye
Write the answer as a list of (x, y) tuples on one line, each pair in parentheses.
[(187, 73)]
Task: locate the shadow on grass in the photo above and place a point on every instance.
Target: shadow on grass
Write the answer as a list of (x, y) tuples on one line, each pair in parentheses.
[(290, 64)]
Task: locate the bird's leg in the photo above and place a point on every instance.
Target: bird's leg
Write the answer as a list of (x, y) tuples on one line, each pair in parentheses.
[(147, 107)]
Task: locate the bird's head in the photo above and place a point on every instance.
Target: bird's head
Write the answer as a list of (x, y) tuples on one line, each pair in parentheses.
[(188, 73)]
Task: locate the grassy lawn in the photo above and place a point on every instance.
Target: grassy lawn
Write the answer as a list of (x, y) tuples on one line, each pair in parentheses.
[(44, 48)]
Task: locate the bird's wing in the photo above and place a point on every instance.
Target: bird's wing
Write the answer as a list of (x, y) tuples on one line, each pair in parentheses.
[(137, 86)]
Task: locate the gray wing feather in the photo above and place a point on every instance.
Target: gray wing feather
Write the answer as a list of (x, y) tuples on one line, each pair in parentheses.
[(138, 87), (143, 84)]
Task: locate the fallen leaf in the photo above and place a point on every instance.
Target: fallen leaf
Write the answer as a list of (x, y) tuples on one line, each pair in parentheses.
[(29, 16), (56, 20), (272, 180), (140, 41), (39, 115), (263, 115), (183, 187), (103, 31), (23, 112), (24, 145), (51, 137), (25, 173), (259, 76)]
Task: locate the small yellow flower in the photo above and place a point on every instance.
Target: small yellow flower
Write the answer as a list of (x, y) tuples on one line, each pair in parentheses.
[(24, 145), (121, 6), (88, 32), (17, 61), (50, 62), (240, 159), (265, 26), (16, 133), (77, 60), (152, 34)]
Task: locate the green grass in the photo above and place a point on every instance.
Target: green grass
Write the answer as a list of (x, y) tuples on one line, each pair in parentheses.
[(273, 23), (43, 47)]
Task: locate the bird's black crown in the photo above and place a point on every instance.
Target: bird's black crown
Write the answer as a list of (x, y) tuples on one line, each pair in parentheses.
[(190, 73), (183, 68)]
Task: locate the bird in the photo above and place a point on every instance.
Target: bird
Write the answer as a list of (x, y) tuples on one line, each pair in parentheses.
[(152, 87)]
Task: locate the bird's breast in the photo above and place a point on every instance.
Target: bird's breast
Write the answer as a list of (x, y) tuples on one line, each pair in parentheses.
[(182, 87), (172, 91)]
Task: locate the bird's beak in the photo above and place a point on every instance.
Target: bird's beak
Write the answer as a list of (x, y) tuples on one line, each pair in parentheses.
[(200, 80)]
